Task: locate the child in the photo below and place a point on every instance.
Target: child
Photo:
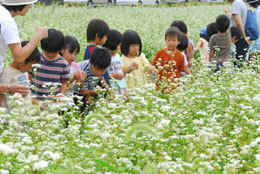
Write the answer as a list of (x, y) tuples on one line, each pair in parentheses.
[(17, 72), (97, 32), (53, 70), (69, 52), (190, 49), (181, 48), (115, 71), (95, 69), (134, 61), (220, 43), (169, 61), (240, 45), (202, 45)]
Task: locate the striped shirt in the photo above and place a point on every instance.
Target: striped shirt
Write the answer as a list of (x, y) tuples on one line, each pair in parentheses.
[(91, 81), (49, 75)]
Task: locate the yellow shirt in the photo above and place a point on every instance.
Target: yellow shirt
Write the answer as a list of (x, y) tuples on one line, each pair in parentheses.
[(136, 78)]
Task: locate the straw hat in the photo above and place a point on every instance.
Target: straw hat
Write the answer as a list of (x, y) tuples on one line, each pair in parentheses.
[(18, 2)]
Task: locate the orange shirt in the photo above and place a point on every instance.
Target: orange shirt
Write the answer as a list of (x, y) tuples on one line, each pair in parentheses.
[(169, 66)]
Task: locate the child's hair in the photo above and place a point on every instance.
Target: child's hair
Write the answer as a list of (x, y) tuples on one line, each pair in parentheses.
[(222, 23), (100, 58), (71, 43), (130, 37), (235, 31), (183, 43), (113, 40), (54, 42), (97, 27), (181, 25), (211, 29), (172, 31), (35, 56), (15, 8)]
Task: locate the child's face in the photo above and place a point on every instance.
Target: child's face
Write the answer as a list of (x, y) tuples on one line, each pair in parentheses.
[(102, 41), (96, 71), (70, 57), (25, 67), (172, 42), (133, 49)]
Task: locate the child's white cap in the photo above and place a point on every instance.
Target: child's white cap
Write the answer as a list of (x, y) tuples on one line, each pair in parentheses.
[(18, 2)]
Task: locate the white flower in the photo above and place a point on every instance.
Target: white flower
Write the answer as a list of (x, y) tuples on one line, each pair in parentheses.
[(40, 165), (257, 156), (36, 65), (2, 171), (6, 149)]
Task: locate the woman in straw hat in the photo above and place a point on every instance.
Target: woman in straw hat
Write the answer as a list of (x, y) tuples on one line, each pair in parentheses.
[(9, 38)]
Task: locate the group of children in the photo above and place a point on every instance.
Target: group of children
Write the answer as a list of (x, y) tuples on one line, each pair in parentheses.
[(219, 43), (56, 71)]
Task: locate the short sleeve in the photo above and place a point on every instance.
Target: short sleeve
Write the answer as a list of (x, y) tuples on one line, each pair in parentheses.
[(182, 63), (212, 42), (144, 59), (155, 59), (236, 8), (65, 75), (10, 32)]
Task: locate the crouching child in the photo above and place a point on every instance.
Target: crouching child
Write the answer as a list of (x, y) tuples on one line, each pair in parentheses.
[(95, 69)]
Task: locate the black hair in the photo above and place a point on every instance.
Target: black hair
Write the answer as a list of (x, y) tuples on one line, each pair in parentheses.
[(172, 31), (54, 42), (204, 37), (97, 27), (130, 37), (35, 56), (181, 25), (211, 29), (71, 43), (100, 58), (183, 43), (14, 8), (235, 31), (254, 4), (222, 23), (113, 40)]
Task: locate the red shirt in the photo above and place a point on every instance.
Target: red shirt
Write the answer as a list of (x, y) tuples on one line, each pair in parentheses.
[(169, 66)]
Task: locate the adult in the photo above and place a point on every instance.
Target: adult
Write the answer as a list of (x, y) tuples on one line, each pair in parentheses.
[(9, 38), (256, 5), (238, 15)]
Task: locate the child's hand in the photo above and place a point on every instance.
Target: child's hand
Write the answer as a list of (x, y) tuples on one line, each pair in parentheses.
[(134, 66), (156, 71), (118, 76), (78, 76)]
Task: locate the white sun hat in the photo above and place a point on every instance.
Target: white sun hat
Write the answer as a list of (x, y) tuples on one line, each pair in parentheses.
[(18, 2)]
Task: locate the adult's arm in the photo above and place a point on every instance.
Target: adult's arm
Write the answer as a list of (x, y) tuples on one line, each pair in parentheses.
[(20, 53), (238, 21)]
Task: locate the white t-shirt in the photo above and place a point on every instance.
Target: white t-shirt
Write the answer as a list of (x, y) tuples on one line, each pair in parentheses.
[(8, 33), (115, 67), (11, 75)]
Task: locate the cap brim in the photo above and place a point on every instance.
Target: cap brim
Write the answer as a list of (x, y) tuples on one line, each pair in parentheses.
[(252, 2), (19, 3)]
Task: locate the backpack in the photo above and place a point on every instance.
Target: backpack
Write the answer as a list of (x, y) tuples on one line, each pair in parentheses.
[(251, 28)]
